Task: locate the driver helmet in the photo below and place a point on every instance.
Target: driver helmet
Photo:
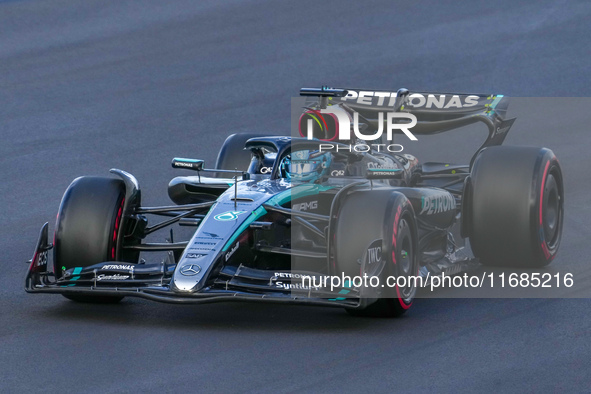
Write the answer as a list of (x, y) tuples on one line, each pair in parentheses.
[(306, 165)]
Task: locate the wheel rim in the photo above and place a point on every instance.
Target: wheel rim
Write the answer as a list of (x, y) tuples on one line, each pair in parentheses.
[(405, 250), (405, 261), (551, 211)]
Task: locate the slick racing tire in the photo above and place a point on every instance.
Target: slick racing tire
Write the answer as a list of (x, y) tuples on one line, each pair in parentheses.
[(232, 154), (388, 218), (88, 225), (516, 206)]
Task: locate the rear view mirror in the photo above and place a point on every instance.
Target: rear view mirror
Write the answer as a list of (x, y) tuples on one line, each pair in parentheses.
[(189, 164), (197, 165)]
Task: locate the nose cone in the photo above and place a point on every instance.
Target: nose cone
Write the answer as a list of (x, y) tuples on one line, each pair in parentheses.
[(205, 247), (217, 234), (218, 230), (191, 270)]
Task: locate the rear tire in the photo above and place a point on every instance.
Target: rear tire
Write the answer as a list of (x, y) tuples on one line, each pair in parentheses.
[(516, 206), (88, 225)]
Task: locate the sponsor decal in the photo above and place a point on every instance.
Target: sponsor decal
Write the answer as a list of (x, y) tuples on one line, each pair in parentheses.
[(112, 277), (190, 269), (266, 170), (194, 255), (415, 100), (374, 252), (127, 267), (373, 258), (436, 204), (288, 285), (376, 173), (390, 166), (288, 275), (42, 259), (227, 216), (502, 130), (305, 206), (231, 251), (337, 173), (294, 286)]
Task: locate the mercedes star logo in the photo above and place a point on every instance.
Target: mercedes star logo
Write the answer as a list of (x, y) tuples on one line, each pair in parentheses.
[(190, 269)]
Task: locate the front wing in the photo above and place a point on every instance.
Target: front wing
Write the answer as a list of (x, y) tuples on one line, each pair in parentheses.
[(152, 282)]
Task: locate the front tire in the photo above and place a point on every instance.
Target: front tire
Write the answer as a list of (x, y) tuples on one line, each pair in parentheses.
[(388, 216), (89, 223)]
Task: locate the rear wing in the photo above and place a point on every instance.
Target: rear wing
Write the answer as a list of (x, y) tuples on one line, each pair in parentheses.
[(435, 112)]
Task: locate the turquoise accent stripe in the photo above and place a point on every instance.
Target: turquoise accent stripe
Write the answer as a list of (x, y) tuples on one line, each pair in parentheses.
[(343, 291), (279, 199), (77, 271), (496, 101), (257, 213), (297, 192)]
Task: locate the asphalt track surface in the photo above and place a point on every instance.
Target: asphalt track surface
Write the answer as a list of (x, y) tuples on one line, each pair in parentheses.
[(87, 86)]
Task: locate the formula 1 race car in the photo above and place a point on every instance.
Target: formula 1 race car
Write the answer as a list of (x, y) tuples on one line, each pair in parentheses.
[(281, 213)]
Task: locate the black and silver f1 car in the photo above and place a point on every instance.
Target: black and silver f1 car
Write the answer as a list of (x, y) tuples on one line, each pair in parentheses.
[(281, 213)]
